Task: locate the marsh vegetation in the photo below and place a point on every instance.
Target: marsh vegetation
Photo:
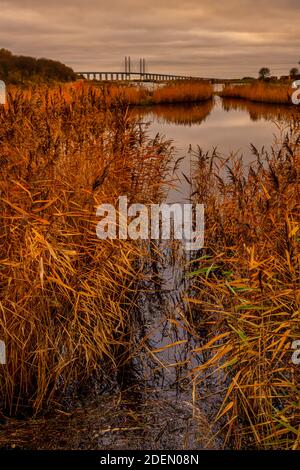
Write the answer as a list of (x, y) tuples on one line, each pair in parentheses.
[(111, 336)]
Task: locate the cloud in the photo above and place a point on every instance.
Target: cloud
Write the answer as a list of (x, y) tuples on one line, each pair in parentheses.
[(230, 38)]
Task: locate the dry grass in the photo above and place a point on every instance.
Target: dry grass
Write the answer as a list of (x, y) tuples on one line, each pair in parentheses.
[(132, 95), (260, 92), (177, 92), (247, 291), (184, 92), (66, 296)]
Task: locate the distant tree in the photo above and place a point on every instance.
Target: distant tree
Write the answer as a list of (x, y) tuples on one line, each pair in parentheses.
[(5, 53), (294, 72), (264, 73), (19, 69)]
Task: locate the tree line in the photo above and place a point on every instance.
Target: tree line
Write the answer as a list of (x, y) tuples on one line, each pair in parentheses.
[(265, 72), (18, 69)]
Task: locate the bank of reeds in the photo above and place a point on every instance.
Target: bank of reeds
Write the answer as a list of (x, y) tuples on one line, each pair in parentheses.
[(172, 93), (66, 297), (247, 291), (183, 92), (260, 92)]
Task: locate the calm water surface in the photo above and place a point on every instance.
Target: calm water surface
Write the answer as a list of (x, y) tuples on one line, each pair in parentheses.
[(230, 126)]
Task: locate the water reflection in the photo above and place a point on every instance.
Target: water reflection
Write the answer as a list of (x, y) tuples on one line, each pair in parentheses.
[(261, 111), (181, 115), (228, 125)]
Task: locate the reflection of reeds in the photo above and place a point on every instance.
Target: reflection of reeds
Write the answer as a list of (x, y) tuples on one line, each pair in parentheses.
[(260, 92), (185, 115), (247, 291), (257, 111), (66, 296)]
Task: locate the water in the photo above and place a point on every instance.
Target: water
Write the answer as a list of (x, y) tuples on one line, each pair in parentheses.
[(166, 367), (230, 126), (151, 405)]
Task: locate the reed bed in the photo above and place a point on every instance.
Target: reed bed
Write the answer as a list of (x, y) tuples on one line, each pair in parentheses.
[(66, 297), (177, 92), (246, 291), (259, 92), (133, 95), (183, 92)]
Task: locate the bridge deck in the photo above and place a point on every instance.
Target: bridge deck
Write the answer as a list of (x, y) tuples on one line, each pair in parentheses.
[(122, 76)]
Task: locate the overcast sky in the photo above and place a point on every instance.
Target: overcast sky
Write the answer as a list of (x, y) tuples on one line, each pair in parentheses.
[(200, 37)]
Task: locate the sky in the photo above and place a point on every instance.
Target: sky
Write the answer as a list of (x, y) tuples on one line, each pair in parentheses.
[(207, 38)]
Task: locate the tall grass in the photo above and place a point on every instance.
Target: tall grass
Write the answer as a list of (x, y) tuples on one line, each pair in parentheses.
[(260, 92), (133, 95), (246, 291), (66, 297), (177, 92), (184, 92)]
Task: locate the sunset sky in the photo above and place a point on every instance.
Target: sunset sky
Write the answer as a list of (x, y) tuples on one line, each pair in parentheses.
[(232, 38)]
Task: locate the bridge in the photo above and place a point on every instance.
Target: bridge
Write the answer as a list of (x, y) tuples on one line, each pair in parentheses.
[(131, 76), (128, 74)]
